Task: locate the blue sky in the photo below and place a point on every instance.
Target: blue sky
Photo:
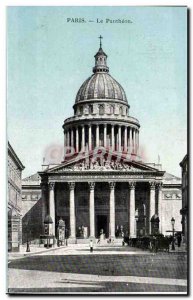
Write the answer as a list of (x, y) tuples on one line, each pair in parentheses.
[(48, 59)]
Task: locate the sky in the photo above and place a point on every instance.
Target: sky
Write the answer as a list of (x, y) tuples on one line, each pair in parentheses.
[(48, 59)]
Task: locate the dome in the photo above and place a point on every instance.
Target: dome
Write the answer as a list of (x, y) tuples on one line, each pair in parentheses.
[(101, 85)]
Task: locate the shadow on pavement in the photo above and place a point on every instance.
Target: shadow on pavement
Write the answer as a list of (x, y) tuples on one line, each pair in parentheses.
[(165, 266)]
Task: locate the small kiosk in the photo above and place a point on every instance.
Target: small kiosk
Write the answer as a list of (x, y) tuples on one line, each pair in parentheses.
[(48, 238), (155, 224), (61, 233)]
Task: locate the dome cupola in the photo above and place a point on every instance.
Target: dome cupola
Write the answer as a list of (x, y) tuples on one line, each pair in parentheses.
[(100, 60), (101, 85)]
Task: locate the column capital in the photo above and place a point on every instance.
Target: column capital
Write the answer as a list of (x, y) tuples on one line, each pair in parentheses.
[(71, 185), (159, 185), (132, 184), (152, 185), (43, 186), (91, 185), (51, 185), (112, 185)]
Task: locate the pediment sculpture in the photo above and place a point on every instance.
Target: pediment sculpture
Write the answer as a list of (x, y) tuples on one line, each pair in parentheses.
[(99, 165)]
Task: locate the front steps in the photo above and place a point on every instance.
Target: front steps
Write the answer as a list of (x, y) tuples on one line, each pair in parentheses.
[(105, 242)]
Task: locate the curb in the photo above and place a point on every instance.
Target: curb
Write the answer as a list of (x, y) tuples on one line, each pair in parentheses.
[(22, 255)]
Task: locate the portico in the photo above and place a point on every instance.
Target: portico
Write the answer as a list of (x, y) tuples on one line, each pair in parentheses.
[(111, 198)]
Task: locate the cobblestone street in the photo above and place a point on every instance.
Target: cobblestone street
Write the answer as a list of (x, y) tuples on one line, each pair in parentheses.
[(118, 269)]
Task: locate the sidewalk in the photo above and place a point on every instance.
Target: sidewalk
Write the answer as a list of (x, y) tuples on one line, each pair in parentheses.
[(182, 249), (83, 249), (34, 249)]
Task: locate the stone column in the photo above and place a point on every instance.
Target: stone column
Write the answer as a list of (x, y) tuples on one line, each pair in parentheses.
[(72, 138), (52, 204), (72, 211), (130, 140), (112, 210), (132, 230), (83, 138), (68, 138), (77, 140), (105, 135), (134, 140), (112, 138), (125, 138), (137, 141), (65, 138), (160, 205), (44, 197), (97, 135), (151, 203), (89, 137), (119, 138), (92, 210)]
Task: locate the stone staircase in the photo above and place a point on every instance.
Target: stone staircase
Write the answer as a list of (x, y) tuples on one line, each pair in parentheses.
[(105, 242)]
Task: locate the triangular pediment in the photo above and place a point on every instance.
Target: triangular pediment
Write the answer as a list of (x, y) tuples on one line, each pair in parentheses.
[(102, 163)]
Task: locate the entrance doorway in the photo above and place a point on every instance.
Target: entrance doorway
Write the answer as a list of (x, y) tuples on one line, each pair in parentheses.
[(102, 223)]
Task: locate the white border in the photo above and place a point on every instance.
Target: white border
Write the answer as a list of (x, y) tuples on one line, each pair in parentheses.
[(3, 5)]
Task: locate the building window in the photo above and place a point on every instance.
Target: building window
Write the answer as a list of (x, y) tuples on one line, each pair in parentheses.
[(121, 110), (90, 109), (81, 110), (112, 110), (101, 109)]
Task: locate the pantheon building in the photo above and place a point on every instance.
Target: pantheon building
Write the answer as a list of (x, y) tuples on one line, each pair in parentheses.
[(103, 183)]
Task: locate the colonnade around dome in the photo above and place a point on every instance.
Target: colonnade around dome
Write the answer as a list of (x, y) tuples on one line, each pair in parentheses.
[(111, 136)]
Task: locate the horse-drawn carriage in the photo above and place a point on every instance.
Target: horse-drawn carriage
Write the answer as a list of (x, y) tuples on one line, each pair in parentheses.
[(153, 243)]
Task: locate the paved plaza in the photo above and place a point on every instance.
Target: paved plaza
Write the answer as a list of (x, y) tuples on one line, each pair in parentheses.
[(74, 269)]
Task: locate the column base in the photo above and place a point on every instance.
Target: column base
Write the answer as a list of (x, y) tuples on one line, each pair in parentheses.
[(112, 237), (72, 240), (133, 236)]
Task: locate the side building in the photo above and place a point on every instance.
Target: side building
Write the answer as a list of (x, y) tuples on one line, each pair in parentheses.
[(14, 173), (31, 208), (184, 210)]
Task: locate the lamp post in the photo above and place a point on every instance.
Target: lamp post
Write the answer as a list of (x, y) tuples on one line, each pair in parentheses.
[(136, 220), (27, 243), (173, 222)]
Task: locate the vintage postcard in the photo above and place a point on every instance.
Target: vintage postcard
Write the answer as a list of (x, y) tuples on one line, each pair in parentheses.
[(97, 163)]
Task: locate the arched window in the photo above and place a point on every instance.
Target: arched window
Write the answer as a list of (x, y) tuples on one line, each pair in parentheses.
[(90, 109), (121, 110), (81, 110), (101, 109), (112, 109)]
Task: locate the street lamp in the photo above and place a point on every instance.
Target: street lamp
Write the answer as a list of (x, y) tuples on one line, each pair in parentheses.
[(27, 244), (136, 220), (173, 222)]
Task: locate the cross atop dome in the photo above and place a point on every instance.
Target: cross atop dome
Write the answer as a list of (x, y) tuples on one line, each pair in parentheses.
[(100, 37), (100, 59)]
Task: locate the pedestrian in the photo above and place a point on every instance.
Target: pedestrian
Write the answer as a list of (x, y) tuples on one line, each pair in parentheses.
[(91, 246), (179, 239)]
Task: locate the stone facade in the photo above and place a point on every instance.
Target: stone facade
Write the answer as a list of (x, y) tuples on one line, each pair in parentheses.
[(103, 183), (31, 208), (184, 210), (14, 171)]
